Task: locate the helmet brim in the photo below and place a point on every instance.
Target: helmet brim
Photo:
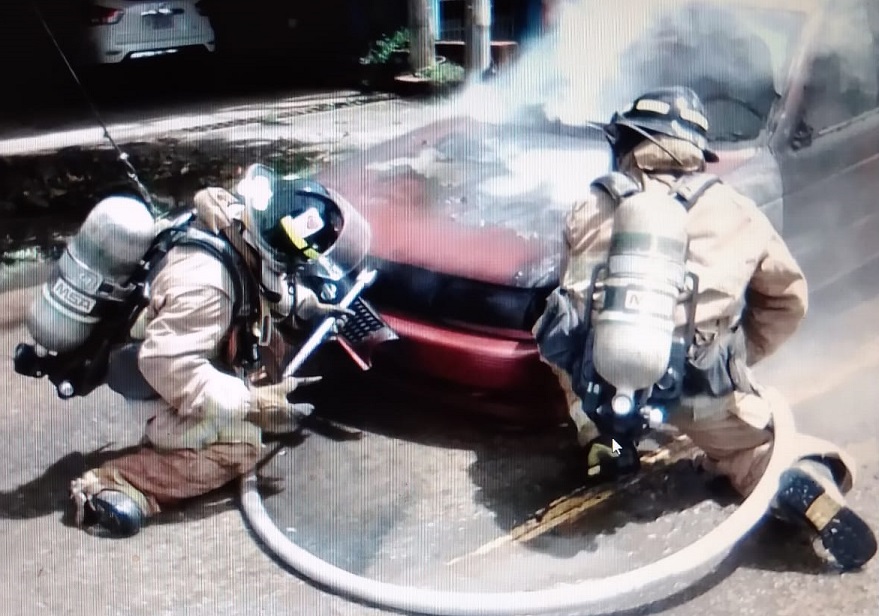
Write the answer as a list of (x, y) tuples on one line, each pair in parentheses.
[(675, 130)]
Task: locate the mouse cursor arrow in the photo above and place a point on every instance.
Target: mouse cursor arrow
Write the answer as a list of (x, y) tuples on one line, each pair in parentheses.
[(615, 447)]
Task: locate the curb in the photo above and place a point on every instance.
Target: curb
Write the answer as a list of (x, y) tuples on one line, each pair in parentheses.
[(184, 125)]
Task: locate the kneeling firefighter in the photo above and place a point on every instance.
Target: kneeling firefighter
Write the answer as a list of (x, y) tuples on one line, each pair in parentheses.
[(226, 291), (672, 285)]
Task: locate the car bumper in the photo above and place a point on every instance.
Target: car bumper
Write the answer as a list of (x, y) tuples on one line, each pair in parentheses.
[(474, 372), (470, 359), (130, 53)]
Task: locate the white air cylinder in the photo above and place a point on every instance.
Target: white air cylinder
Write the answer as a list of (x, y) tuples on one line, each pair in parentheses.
[(91, 274), (645, 276)]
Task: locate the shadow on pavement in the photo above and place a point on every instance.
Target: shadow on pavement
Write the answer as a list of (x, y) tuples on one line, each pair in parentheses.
[(672, 490), (773, 546), (516, 472), (515, 483), (49, 493)]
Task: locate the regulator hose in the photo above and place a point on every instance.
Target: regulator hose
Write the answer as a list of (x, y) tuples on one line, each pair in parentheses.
[(655, 581)]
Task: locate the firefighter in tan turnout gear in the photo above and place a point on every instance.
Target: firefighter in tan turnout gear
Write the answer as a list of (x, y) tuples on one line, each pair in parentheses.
[(747, 296), (196, 346)]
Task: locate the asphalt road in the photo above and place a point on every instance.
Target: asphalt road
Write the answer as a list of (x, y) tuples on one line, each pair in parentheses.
[(415, 495), (420, 489)]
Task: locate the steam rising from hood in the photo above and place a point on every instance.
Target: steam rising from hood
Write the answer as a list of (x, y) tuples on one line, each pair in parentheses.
[(601, 55), (564, 72)]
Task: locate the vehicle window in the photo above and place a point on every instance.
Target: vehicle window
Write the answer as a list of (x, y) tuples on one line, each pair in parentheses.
[(843, 80)]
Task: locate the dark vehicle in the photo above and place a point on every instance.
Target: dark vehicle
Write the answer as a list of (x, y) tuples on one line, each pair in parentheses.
[(467, 212)]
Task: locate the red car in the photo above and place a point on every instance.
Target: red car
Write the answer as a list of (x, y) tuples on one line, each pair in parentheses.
[(467, 213)]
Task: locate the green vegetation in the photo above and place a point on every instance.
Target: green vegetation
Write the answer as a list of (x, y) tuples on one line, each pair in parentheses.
[(442, 72), (383, 50)]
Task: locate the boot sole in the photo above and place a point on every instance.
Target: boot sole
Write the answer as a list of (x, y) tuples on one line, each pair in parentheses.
[(843, 532)]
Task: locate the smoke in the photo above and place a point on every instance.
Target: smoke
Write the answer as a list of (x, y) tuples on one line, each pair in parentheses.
[(736, 55), (565, 71), (835, 238), (605, 53), (601, 55)]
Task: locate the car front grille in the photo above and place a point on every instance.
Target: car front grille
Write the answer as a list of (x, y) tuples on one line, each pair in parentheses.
[(443, 298)]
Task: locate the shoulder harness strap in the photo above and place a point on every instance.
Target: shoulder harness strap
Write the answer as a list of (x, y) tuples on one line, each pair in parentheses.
[(618, 185), (687, 191), (182, 233), (690, 188)]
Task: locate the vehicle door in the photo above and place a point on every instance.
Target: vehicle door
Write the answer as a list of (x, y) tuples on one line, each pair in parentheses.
[(829, 152)]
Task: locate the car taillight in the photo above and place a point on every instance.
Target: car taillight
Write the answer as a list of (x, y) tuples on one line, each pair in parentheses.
[(104, 16)]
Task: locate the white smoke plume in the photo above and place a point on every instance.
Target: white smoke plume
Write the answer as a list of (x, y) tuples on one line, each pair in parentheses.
[(564, 71), (602, 54)]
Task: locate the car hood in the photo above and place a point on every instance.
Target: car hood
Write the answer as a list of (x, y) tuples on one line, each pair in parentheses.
[(476, 200)]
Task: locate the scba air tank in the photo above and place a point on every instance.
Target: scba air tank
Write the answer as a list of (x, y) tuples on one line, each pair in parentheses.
[(91, 276), (644, 277)]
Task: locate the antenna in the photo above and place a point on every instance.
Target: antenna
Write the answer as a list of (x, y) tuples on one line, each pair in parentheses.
[(123, 156)]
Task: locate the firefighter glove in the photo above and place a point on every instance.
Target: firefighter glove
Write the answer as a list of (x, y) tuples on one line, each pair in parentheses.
[(271, 408), (609, 458), (310, 308)]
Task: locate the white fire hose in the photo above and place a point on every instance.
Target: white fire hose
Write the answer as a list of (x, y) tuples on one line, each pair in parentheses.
[(638, 587)]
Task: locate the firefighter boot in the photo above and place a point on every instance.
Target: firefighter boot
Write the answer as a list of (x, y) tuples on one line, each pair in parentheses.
[(808, 495), (117, 514)]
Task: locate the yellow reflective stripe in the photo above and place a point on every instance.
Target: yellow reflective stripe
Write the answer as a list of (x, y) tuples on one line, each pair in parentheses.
[(695, 117), (298, 241), (821, 512), (664, 108), (648, 104), (287, 225)]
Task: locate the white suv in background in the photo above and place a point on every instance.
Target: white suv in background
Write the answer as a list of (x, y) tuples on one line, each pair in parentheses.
[(120, 30)]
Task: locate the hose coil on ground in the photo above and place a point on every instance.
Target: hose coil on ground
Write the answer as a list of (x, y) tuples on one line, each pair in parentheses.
[(655, 581)]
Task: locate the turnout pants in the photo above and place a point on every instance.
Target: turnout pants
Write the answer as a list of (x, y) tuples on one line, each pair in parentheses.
[(736, 436), (738, 440), (178, 458)]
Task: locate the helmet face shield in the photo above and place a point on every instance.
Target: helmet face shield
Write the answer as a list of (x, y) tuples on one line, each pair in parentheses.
[(350, 249), (304, 224), (299, 224)]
